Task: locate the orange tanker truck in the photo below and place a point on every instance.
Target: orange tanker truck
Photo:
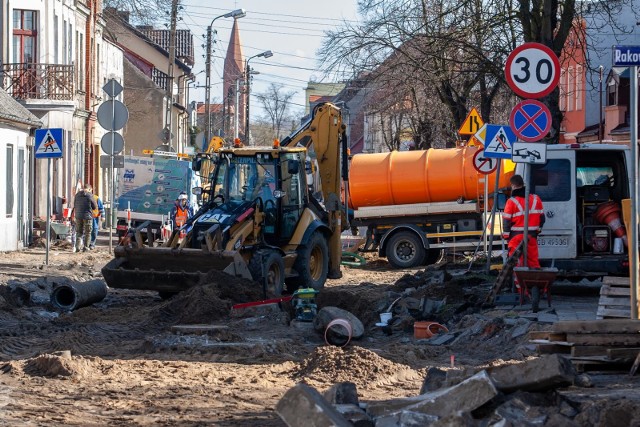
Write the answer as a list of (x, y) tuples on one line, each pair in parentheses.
[(416, 204)]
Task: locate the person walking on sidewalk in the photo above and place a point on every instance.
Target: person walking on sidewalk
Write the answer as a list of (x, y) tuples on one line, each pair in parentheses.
[(98, 216), (84, 206)]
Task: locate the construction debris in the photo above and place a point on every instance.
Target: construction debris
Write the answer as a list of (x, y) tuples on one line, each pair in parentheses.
[(303, 406)]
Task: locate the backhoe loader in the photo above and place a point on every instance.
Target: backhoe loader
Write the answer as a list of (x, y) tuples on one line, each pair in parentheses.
[(261, 219)]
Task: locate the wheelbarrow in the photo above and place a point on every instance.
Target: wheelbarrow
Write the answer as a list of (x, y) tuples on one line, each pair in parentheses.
[(535, 282)]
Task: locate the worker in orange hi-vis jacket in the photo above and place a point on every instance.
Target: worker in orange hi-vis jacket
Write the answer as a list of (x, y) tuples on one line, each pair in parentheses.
[(513, 221)]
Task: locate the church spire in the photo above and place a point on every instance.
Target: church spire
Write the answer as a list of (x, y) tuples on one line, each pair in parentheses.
[(234, 70)]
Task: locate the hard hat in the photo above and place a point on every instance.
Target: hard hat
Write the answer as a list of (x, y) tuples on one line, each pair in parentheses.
[(182, 196)]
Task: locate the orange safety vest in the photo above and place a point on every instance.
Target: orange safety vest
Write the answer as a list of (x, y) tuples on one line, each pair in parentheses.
[(181, 216), (514, 212)]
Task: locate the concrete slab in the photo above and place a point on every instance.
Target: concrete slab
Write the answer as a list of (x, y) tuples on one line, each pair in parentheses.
[(466, 396), (303, 406), (539, 374)]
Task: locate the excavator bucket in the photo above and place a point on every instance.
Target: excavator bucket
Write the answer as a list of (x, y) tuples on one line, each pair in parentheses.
[(167, 269)]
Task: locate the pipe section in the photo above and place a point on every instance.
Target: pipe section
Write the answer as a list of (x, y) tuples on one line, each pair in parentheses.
[(71, 296)]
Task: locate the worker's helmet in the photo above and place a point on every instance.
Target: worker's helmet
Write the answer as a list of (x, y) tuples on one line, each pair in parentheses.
[(182, 196)]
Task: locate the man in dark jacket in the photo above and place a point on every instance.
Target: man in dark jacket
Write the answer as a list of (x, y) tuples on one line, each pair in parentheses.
[(84, 206)]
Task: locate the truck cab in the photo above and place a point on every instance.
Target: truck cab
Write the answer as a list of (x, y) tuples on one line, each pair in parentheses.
[(576, 181)]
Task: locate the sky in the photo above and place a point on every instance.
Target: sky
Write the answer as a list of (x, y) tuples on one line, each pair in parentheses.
[(292, 29)]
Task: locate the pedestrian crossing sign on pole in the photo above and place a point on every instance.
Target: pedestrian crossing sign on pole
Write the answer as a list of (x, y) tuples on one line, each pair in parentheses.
[(498, 141), (49, 143)]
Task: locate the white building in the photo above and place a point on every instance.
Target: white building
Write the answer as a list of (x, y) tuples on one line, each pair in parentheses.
[(51, 57), (16, 147)]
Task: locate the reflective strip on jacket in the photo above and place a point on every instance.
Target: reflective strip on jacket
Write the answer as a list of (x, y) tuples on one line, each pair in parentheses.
[(513, 215)]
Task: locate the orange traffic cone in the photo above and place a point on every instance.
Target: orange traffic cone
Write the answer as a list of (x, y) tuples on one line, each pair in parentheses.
[(609, 213)]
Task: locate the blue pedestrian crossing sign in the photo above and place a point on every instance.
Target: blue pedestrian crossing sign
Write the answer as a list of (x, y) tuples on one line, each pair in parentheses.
[(498, 141), (49, 143)]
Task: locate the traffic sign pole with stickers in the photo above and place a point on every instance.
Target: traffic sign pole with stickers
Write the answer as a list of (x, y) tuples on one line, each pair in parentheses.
[(49, 143), (532, 70)]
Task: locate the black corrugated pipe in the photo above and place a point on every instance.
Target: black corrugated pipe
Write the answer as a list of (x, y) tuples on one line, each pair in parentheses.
[(70, 296)]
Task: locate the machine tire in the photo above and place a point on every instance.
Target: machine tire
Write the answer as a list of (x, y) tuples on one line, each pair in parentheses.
[(405, 250), (433, 256), (274, 269), (312, 263)]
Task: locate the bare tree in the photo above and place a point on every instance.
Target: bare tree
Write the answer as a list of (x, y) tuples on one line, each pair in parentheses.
[(275, 102), (452, 51), (142, 11)]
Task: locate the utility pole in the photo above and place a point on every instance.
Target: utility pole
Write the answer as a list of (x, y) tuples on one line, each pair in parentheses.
[(236, 110), (207, 88), (168, 129), (237, 13), (247, 77)]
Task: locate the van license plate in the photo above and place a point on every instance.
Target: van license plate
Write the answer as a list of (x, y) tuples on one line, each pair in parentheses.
[(553, 241)]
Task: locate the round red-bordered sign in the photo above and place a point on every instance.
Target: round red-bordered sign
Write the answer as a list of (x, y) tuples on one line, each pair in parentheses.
[(484, 165), (532, 70), (530, 120)]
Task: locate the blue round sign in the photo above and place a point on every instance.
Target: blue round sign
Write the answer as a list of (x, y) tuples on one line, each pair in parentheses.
[(530, 120)]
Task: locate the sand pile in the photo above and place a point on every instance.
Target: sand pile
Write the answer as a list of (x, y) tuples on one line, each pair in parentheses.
[(334, 364)]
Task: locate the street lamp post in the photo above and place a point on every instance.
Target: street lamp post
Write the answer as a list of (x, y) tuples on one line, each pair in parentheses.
[(265, 54), (238, 13)]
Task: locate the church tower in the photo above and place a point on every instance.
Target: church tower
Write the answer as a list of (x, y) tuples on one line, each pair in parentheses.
[(234, 80)]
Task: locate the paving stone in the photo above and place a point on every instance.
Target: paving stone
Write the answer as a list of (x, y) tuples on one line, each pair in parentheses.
[(342, 393), (406, 419), (520, 330), (355, 415), (547, 318), (539, 374), (442, 339), (434, 380), (466, 396), (303, 406)]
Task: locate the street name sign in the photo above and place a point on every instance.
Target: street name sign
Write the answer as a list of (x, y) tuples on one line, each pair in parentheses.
[(532, 70), (530, 120), (497, 143), (49, 143), (529, 152), (626, 56), (484, 165)]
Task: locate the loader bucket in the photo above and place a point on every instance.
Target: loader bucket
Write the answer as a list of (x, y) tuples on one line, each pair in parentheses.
[(168, 269)]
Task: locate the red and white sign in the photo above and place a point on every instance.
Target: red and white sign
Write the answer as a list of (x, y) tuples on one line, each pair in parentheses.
[(530, 120), (532, 70), (484, 165)]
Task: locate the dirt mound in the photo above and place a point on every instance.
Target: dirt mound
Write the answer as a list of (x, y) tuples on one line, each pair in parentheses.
[(211, 300), (334, 364), (60, 364)]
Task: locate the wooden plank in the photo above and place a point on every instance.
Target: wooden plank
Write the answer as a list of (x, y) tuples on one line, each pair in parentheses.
[(610, 326), (616, 281), (611, 291), (563, 343), (553, 348), (547, 335), (623, 353), (610, 312), (614, 301), (588, 350), (604, 339)]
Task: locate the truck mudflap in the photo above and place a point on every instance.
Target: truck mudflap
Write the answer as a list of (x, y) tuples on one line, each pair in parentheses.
[(145, 268)]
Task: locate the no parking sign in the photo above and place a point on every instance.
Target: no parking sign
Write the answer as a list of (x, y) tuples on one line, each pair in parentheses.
[(530, 120)]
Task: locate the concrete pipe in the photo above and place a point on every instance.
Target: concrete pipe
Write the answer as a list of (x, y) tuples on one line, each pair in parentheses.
[(70, 296)]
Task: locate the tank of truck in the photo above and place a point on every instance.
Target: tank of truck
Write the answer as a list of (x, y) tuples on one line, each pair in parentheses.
[(422, 176)]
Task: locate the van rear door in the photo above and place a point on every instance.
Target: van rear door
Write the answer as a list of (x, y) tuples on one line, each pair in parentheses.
[(555, 183)]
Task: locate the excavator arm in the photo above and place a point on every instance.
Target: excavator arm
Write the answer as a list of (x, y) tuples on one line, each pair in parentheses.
[(324, 136)]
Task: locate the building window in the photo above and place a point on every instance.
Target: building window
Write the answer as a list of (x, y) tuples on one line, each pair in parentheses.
[(25, 36), (9, 187), (579, 87), (570, 89), (70, 45), (55, 39)]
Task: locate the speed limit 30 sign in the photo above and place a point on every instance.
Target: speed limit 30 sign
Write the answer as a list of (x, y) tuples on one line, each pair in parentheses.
[(532, 70)]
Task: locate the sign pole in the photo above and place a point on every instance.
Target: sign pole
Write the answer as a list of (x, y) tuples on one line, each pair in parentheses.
[(494, 207), (111, 181), (527, 191), (48, 232), (486, 203), (633, 242)]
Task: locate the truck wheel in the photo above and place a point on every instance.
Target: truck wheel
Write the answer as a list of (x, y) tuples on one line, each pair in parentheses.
[(405, 250), (268, 262), (312, 263)]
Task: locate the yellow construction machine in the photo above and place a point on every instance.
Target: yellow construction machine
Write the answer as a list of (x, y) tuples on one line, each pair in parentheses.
[(271, 214)]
